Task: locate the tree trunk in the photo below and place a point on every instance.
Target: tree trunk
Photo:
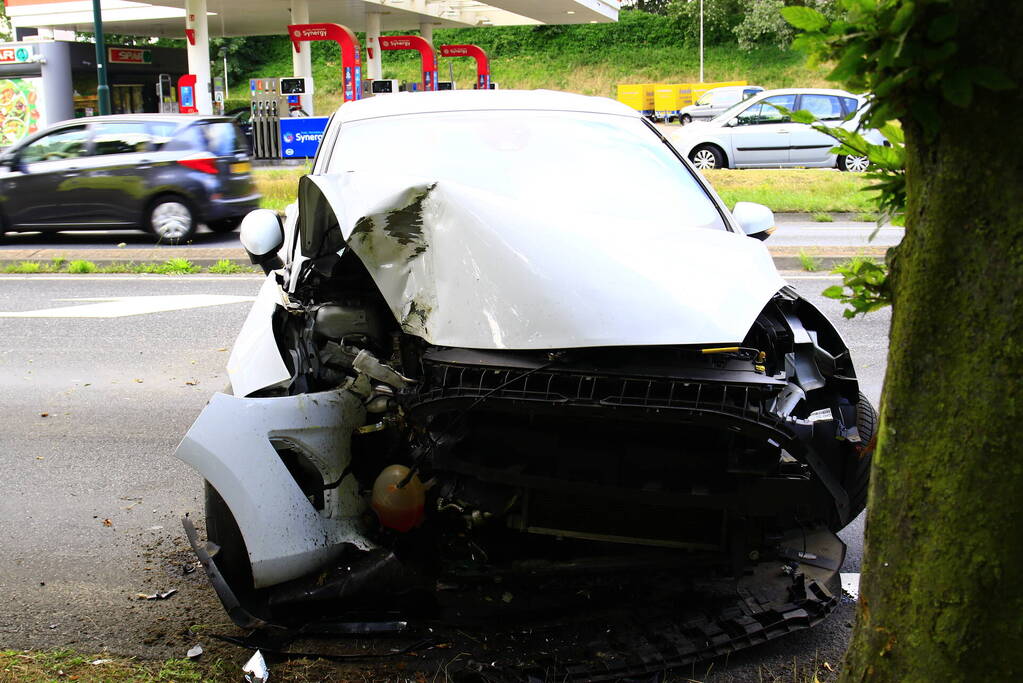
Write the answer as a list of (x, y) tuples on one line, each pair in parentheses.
[(942, 587)]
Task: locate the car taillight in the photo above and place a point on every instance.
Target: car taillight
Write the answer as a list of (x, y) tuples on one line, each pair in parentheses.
[(201, 162)]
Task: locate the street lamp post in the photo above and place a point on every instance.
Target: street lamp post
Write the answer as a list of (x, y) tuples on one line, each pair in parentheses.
[(102, 89)]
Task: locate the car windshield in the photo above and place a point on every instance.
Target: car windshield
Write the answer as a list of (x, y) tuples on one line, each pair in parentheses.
[(608, 164), (734, 110)]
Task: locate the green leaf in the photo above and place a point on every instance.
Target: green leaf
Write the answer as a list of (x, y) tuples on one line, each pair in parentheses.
[(991, 78), (903, 18), (849, 64), (803, 116), (804, 18), (942, 28), (957, 88), (833, 292)]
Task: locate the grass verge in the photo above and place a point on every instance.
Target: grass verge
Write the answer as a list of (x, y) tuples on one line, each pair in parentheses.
[(174, 266), (813, 191), (808, 261)]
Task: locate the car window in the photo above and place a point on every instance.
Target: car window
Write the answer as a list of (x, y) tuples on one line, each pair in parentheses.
[(187, 138), (824, 107), (750, 92), (851, 105), (67, 143), (724, 99), (222, 139), (508, 156), (766, 111), (120, 138), (161, 131)]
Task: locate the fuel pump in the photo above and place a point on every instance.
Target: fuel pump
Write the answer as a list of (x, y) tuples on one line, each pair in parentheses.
[(268, 105), (166, 94)]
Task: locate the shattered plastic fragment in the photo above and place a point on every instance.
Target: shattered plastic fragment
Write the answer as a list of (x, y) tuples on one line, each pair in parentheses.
[(158, 595), (255, 669), (97, 662), (195, 652)]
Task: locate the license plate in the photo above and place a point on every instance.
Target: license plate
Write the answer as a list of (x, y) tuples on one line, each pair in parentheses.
[(243, 167)]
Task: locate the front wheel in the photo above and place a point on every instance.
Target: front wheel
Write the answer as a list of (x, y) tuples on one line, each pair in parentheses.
[(685, 119), (707, 157), (853, 164), (171, 219)]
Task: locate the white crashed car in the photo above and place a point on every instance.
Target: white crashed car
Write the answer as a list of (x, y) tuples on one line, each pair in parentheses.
[(756, 134), (518, 327)]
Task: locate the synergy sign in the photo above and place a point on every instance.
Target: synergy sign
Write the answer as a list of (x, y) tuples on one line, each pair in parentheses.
[(301, 136), (9, 55), (351, 60), (124, 55)]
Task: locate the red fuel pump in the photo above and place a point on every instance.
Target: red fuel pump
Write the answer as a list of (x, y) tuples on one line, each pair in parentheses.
[(482, 63), (186, 95), (426, 53), (351, 58)]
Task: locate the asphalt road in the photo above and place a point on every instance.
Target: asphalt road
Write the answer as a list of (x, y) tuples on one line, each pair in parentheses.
[(93, 408)]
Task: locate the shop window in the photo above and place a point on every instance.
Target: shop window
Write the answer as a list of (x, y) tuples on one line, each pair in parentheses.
[(120, 138)]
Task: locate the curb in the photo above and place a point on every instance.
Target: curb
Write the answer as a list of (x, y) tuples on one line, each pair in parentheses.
[(785, 258)]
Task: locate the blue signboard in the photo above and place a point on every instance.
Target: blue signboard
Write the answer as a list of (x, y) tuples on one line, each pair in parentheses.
[(301, 136)]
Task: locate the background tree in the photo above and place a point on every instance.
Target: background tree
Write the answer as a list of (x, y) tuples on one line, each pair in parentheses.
[(942, 586)]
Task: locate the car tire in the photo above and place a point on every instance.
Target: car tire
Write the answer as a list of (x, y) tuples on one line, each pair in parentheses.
[(230, 554), (853, 164), (685, 119), (171, 219), (224, 225), (856, 478), (706, 157)]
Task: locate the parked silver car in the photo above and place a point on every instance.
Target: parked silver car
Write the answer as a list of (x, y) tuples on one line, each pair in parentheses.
[(714, 102), (755, 133)]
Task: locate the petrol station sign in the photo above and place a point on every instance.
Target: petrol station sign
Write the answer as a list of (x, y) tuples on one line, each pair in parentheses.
[(477, 53), (427, 55), (15, 54), (351, 58), (125, 55)]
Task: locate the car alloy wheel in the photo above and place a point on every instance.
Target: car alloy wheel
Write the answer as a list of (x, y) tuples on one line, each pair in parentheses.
[(856, 164), (685, 119), (171, 220), (704, 158)]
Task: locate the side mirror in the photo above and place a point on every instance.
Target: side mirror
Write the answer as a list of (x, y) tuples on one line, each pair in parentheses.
[(756, 220), (262, 235), (732, 123)]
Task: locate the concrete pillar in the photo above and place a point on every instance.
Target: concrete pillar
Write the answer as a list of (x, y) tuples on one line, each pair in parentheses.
[(374, 69), (199, 53), (302, 62), (426, 30)]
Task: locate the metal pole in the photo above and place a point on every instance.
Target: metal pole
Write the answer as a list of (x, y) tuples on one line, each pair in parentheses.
[(701, 41), (226, 95), (102, 89)]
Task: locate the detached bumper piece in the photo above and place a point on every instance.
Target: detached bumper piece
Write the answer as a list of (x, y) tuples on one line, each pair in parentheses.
[(577, 621)]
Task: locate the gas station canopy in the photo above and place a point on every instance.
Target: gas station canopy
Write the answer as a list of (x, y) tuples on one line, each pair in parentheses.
[(166, 18)]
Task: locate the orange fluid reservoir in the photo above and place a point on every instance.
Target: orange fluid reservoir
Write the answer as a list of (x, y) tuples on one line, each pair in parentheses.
[(402, 508)]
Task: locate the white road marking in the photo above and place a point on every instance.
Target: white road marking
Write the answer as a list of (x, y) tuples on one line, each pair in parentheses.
[(121, 306), (851, 584)]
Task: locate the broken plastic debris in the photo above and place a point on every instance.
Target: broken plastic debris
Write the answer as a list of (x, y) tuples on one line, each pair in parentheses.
[(195, 652), (255, 669), (157, 595), (97, 662)]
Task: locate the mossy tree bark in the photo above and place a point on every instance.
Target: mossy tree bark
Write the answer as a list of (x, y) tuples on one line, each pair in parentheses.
[(942, 586)]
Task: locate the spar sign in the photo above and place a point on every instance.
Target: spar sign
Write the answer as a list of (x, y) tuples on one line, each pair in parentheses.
[(351, 59), (125, 55), (9, 55)]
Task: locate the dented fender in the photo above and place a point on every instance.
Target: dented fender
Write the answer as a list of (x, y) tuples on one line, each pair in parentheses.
[(231, 445)]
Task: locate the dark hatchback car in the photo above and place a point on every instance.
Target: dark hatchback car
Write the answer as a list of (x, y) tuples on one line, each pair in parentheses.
[(162, 173)]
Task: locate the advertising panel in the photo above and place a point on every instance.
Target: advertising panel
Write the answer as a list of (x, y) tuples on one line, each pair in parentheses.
[(20, 107), (300, 137)]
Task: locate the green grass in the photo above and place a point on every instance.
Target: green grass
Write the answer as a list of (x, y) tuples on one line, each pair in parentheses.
[(808, 261), (794, 190), (80, 266), (279, 185), (823, 217), (227, 267)]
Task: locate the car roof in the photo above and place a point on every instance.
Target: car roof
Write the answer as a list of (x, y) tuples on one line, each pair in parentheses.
[(172, 118), (398, 104), (807, 91)]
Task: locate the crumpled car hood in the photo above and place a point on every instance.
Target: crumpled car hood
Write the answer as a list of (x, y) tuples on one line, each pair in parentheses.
[(464, 267)]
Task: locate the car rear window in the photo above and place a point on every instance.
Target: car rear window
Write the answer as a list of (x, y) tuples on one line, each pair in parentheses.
[(222, 138)]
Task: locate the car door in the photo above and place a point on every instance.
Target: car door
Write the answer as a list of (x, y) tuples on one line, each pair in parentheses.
[(39, 190), (761, 133), (119, 166), (811, 147)]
